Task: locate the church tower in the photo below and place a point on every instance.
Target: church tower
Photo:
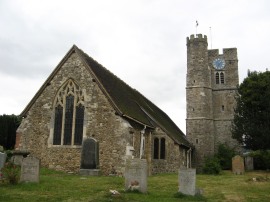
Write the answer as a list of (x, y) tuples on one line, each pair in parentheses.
[(211, 84)]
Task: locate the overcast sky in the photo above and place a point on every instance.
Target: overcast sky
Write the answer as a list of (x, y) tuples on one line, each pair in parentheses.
[(143, 42)]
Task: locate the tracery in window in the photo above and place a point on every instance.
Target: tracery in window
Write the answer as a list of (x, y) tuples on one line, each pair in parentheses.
[(68, 115)]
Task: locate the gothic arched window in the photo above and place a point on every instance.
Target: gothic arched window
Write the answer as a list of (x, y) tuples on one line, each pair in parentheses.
[(159, 148), (156, 148), (222, 78), (68, 115), (217, 78), (162, 148)]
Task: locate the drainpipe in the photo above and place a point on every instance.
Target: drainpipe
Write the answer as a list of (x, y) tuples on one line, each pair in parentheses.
[(189, 158), (142, 142)]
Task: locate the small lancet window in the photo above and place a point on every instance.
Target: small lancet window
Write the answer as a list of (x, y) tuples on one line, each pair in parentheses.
[(222, 78), (217, 78)]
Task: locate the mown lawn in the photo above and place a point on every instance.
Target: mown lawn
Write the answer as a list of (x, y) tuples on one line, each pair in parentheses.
[(58, 186)]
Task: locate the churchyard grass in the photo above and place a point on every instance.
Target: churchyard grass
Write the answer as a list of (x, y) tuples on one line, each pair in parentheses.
[(59, 186)]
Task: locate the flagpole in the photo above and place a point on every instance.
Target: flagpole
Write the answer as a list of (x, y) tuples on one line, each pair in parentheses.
[(197, 24), (210, 36)]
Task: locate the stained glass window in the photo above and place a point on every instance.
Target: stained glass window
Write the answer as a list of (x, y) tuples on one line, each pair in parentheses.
[(58, 125), (68, 115), (79, 125)]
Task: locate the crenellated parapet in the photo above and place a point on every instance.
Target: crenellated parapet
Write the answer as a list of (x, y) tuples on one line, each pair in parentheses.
[(197, 38)]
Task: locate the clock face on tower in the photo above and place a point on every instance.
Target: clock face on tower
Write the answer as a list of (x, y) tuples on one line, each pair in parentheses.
[(219, 63)]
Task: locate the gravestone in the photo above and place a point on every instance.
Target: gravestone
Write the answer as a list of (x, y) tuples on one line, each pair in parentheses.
[(3, 157), (1, 148), (238, 165), (136, 175), (30, 169), (187, 181), (249, 163), (89, 157)]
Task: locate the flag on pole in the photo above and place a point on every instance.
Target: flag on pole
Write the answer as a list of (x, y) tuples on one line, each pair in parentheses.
[(197, 24)]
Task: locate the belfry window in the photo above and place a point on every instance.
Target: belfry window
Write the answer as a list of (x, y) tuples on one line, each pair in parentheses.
[(68, 115), (159, 148), (219, 76)]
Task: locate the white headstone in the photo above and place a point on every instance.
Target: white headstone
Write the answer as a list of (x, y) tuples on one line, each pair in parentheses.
[(136, 175), (187, 181), (30, 169)]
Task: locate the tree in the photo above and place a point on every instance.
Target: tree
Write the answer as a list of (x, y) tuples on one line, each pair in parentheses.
[(251, 124), (8, 127)]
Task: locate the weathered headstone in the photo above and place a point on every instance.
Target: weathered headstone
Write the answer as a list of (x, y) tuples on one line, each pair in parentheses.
[(238, 165), (249, 163), (89, 157), (18, 156), (136, 175), (3, 157), (187, 181), (30, 169), (1, 148)]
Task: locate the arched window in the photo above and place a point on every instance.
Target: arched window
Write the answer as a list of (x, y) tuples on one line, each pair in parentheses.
[(159, 148), (156, 148), (217, 78), (162, 148), (222, 78), (68, 115)]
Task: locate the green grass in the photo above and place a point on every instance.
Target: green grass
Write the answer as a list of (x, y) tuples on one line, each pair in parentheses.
[(59, 186)]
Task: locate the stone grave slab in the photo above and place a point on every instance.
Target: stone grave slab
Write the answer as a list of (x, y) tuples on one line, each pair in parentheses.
[(136, 175), (187, 181), (30, 169), (238, 167), (89, 157), (249, 163)]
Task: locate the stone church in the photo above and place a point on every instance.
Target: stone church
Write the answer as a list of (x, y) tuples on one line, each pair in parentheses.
[(211, 86), (82, 101)]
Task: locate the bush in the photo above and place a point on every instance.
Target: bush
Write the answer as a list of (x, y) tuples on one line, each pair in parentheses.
[(225, 155), (261, 159), (11, 172), (212, 165)]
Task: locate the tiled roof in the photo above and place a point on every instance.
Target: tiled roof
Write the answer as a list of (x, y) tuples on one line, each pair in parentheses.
[(132, 104), (127, 101)]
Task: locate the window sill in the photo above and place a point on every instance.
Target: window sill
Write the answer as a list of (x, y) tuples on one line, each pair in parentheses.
[(65, 146)]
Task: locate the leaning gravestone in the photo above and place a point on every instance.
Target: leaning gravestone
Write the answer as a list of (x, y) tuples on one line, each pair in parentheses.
[(30, 169), (89, 157), (238, 167), (136, 175), (187, 181)]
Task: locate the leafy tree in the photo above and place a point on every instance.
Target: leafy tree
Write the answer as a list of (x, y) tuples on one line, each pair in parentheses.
[(251, 125), (8, 127), (225, 155)]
